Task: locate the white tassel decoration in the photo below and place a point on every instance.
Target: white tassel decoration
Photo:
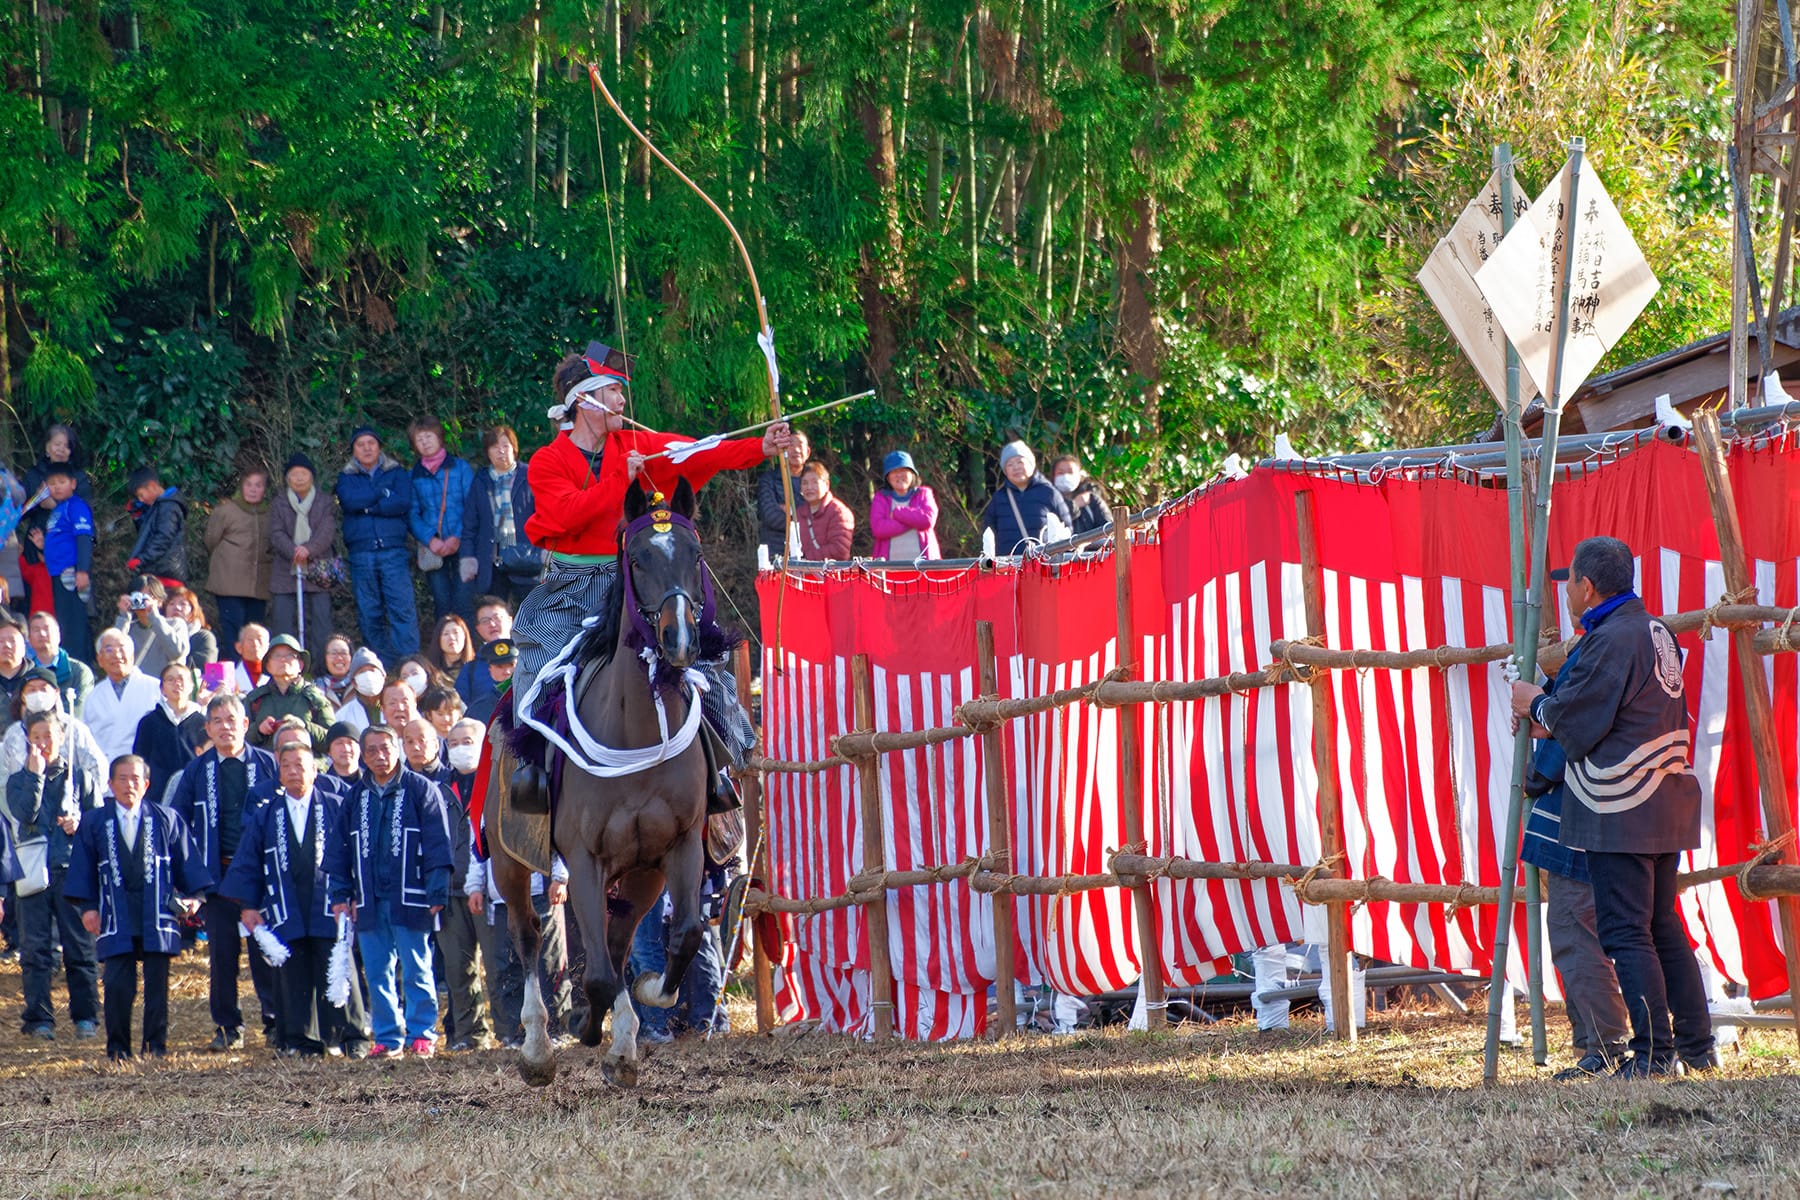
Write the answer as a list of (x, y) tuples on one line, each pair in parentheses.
[(337, 971), (272, 947)]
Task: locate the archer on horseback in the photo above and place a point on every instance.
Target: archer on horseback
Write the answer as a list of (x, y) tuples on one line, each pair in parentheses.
[(579, 482)]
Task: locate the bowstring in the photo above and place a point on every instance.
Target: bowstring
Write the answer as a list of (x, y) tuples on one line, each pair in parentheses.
[(616, 263)]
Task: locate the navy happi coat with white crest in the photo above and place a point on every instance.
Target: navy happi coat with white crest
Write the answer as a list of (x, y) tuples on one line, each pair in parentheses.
[(102, 870), (282, 875)]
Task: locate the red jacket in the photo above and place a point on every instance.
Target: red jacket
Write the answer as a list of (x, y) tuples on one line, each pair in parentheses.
[(824, 534), (579, 513)]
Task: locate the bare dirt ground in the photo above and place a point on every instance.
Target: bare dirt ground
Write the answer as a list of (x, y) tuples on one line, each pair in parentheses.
[(1218, 1110)]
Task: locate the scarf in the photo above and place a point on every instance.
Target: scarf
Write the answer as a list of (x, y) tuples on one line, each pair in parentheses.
[(302, 515), (506, 533), (1593, 616), (435, 461)]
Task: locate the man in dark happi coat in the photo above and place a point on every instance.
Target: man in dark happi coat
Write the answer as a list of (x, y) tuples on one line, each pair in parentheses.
[(133, 873)]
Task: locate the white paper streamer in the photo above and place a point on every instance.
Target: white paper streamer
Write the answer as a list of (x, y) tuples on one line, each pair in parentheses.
[(766, 339), (337, 970), (271, 946)]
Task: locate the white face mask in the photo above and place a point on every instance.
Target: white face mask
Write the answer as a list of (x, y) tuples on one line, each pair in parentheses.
[(368, 683), (38, 702), (414, 680), (1066, 483), (464, 759)]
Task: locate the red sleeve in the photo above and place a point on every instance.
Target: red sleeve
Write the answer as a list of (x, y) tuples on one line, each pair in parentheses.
[(735, 455)]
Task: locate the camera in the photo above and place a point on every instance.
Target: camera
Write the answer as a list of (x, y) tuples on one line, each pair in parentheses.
[(139, 601)]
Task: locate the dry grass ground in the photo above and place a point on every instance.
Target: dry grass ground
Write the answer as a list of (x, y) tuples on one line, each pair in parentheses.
[(1213, 1111)]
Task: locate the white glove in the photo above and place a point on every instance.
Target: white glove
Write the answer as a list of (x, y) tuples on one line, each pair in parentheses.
[(1509, 670), (468, 568)]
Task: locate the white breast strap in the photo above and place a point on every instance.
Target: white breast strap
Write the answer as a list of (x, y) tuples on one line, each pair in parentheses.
[(602, 761)]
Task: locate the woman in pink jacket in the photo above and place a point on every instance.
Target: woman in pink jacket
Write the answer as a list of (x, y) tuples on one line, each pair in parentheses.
[(903, 515)]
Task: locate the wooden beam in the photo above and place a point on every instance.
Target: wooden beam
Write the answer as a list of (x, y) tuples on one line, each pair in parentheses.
[(993, 775), (1132, 792), (1331, 832), (1777, 817), (881, 967), (762, 970)]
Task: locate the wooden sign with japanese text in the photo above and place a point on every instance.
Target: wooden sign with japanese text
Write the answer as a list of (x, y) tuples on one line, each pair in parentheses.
[(1448, 277), (1609, 282)]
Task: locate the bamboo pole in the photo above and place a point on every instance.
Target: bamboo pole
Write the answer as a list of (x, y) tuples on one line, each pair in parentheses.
[(1534, 606), (1742, 147), (1331, 832), (993, 775), (1515, 521), (762, 970), (1777, 817), (881, 969), (1131, 762)]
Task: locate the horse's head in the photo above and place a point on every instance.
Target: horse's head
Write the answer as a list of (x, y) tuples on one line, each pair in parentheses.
[(666, 592)]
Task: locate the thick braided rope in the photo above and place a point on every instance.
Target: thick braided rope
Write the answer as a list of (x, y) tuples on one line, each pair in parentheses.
[(1303, 884), (1784, 631), (1711, 616), (1765, 852)]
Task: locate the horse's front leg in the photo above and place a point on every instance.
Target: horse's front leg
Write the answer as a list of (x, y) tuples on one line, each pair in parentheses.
[(641, 890), (684, 868), (537, 1062)]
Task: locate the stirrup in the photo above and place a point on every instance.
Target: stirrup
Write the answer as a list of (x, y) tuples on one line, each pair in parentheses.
[(530, 791)]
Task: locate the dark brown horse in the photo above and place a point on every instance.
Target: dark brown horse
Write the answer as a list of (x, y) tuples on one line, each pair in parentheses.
[(637, 828)]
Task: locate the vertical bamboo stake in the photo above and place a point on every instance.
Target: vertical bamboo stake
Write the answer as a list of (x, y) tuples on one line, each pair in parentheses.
[(1534, 607), (993, 772), (754, 827), (1744, 68), (1776, 816), (1515, 519), (1331, 828), (1156, 1004), (881, 968)]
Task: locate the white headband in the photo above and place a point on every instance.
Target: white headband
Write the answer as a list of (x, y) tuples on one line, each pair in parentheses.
[(588, 386)]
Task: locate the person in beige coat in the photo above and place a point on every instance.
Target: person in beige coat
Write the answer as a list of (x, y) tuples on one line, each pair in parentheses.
[(237, 539), (302, 531)]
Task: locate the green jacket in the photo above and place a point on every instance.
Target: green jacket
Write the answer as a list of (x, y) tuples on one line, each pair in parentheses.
[(303, 700)]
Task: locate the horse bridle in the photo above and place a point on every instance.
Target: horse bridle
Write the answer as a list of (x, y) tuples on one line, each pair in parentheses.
[(660, 519)]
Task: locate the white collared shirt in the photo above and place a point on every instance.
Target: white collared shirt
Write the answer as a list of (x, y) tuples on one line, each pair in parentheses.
[(129, 820), (298, 811)]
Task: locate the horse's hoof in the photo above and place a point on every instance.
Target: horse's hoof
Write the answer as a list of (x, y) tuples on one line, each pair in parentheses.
[(537, 1074), (590, 1028), (619, 1071), (648, 988)]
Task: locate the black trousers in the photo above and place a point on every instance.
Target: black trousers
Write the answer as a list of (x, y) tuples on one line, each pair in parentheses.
[(121, 988), (224, 946), (305, 1021), (1641, 931), (43, 918)]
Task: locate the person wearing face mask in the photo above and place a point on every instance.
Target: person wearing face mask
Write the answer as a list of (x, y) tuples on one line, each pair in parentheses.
[(74, 679), (1022, 506), (1082, 495), (237, 546), (288, 693), (374, 494), (156, 640), (38, 693), (469, 1027), (387, 865), (825, 523), (170, 735), (497, 558), (335, 680), (903, 515), (302, 531), (215, 795), (367, 678), (45, 799)]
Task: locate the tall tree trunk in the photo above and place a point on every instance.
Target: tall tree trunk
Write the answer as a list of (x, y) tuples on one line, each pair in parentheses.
[(880, 269), (531, 126), (1140, 333), (971, 218)]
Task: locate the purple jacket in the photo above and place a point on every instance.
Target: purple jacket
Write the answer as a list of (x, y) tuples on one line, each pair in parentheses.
[(889, 518)]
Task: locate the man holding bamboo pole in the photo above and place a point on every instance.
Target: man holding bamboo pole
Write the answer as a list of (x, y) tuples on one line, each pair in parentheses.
[(1620, 716)]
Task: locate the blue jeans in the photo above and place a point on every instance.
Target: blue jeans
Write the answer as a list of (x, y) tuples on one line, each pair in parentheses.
[(382, 582), (386, 946), (448, 595), (698, 1005), (1641, 930), (235, 612)]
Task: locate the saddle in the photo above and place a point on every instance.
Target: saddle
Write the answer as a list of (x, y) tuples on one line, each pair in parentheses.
[(517, 814)]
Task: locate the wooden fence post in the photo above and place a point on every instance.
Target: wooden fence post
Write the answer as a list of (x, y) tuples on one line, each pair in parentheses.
[(1132, 768), (1757, 703), (881, 968), (993, 772), (1331, 831), (763, 974)]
